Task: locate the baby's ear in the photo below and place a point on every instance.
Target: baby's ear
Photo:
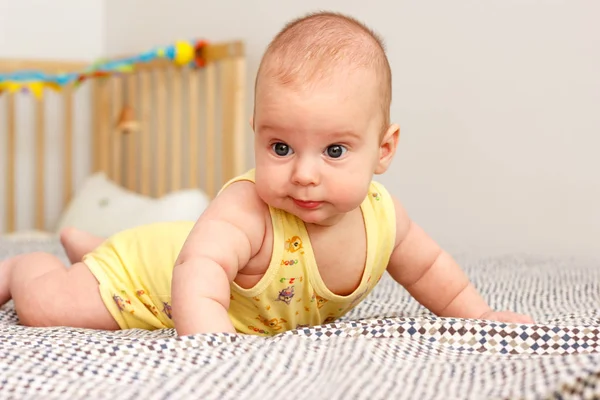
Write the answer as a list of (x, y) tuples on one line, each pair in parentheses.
[(252, 122), (387, 148)]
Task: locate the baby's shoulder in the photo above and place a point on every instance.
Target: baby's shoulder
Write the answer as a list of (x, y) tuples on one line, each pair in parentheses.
[(248, 178), (240, 194), (240, 191)]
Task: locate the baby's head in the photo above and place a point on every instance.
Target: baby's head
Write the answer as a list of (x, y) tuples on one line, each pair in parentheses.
[(321, 117)]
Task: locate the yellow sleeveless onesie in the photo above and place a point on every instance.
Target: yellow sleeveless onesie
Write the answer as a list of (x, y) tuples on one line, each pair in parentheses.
[(134, 270)]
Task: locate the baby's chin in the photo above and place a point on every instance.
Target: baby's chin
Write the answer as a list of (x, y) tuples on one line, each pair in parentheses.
[(327, 214), (287, 204)]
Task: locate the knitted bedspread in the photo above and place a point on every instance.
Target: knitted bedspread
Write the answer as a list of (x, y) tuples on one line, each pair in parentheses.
[(387, 348)]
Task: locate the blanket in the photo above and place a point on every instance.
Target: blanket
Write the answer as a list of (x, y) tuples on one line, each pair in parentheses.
[(389, 347)]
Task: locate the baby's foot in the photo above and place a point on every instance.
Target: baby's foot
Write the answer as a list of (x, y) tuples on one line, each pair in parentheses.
[(78, 243), (68, 240)]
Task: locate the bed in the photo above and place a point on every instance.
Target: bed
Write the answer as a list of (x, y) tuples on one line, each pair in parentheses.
[(388, 347)]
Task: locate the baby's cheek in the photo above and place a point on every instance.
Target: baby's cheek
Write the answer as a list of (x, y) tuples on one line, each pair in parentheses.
[(271, 190), (348, 195)]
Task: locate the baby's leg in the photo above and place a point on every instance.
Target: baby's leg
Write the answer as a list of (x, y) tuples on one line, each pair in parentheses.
[(78, 243), (46, 293)]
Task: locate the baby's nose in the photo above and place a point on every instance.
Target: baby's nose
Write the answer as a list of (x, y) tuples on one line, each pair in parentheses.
[(306, 173)]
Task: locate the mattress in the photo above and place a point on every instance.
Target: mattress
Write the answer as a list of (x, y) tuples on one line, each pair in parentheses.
[(388, 347)]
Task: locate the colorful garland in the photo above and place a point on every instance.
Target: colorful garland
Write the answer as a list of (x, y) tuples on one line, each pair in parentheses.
[(181, 53)]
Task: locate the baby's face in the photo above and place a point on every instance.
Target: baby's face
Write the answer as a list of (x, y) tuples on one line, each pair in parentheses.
[(316, 148)]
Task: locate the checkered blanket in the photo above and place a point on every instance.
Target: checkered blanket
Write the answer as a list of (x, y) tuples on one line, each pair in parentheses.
[(389, 347)]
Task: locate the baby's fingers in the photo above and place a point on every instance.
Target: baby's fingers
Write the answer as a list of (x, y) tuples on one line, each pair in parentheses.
[(509, 316)]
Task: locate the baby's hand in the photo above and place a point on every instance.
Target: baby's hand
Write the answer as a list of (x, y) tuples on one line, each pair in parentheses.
[(507, 316)]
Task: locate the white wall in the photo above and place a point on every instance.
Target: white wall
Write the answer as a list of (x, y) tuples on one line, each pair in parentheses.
[(498, 103), (57, 29), (40, 29)]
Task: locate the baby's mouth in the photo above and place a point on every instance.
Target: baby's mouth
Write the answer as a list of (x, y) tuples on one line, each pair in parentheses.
[(307, 204)]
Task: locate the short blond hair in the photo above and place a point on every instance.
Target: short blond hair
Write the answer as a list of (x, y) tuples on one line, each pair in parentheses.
[(316, 45)]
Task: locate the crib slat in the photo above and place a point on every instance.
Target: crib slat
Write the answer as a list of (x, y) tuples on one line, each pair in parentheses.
[(175, 134), (102, 107), (131, 137), (194, 109), (210, 129), (227, 98), (239, 124), (40, 147), (68, 149), (145, 132), (161, 142), (115, 137), (11, 158), (95, 126)]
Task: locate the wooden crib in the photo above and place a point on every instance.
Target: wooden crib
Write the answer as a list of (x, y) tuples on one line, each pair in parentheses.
[(156, 130)]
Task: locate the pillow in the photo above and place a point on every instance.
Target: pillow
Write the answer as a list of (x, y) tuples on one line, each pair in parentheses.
[(102, 207)]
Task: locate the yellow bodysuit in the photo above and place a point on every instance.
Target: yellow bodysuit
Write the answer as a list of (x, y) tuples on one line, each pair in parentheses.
[(134, 270)]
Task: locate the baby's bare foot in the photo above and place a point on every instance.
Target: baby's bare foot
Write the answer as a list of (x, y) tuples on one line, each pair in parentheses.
[(68, 240), (78, 243)]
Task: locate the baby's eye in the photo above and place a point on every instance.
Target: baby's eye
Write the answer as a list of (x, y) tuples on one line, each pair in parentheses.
[(281, 149), (336, 151)]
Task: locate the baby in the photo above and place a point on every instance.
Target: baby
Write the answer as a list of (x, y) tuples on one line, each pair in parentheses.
[(297, 241)]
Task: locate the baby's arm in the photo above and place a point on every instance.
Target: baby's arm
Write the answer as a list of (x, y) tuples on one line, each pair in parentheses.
[(227, 235), (433, 278)]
